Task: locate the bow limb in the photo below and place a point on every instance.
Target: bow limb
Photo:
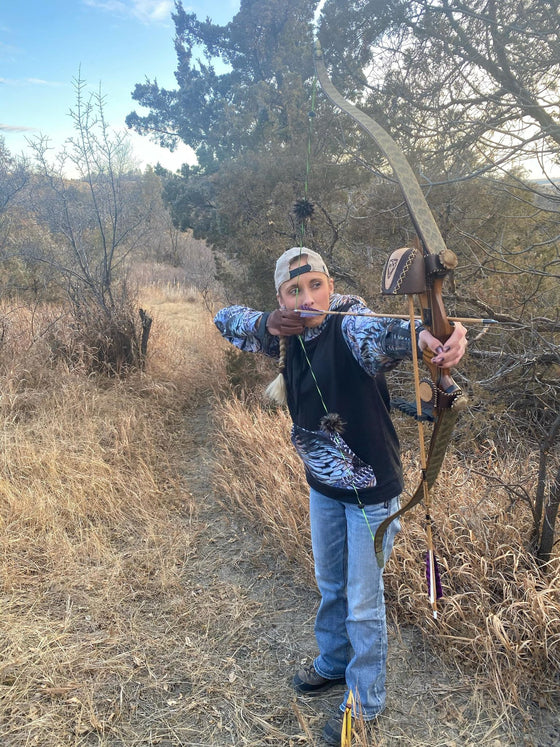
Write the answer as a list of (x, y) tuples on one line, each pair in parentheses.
[(439, 259), (418, 208)]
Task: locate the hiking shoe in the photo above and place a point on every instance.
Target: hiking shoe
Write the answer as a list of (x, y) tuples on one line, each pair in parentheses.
[(309, 682), (332, 733)]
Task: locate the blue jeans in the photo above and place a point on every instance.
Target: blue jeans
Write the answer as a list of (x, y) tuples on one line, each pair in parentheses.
[(350, 627)]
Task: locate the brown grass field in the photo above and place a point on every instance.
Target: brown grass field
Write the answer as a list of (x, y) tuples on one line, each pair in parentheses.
[(156, 572)]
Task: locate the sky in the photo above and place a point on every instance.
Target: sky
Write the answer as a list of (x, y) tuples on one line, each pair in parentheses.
[(111, 44)]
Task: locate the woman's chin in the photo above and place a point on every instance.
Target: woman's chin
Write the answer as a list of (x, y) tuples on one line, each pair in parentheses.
[(314, 321)]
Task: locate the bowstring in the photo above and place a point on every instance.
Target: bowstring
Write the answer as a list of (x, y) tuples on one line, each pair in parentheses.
[(343, 456)]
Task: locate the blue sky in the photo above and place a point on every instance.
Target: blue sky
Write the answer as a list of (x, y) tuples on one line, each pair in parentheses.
[(114, 44)]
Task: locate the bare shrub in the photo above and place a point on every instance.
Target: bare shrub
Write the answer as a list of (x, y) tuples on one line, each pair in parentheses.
[(96, 224)]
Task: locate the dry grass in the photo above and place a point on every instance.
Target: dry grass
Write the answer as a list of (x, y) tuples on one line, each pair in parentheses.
[(500, 619), (138, 611), (185, 349), (97, 529), (257, 471)]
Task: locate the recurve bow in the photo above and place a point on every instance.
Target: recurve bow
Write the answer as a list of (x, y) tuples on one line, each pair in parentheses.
[(420, 271)]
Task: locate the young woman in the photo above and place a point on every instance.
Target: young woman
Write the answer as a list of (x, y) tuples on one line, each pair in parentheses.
[(333, 376)]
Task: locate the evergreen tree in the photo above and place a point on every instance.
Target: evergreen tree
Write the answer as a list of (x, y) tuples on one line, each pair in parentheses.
[(249, 125)]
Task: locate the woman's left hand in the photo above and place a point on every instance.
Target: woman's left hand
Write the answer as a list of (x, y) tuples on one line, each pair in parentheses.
[(448, 354)]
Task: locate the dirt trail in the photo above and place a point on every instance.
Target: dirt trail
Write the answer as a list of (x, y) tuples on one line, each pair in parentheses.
[(261, 629)]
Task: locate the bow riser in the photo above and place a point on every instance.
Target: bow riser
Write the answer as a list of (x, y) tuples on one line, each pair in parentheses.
[(410, 272), (435, 319)]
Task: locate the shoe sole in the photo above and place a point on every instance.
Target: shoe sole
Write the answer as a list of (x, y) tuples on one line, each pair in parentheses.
[(315, 691)]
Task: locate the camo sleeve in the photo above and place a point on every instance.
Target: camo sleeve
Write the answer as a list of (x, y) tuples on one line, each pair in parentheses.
[(377, 344), (246, 329)]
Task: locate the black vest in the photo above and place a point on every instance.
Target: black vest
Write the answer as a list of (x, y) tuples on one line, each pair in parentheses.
[(370, 471)]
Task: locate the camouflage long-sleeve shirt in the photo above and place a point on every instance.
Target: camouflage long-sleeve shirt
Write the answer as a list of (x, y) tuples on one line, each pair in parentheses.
[(377, 344)]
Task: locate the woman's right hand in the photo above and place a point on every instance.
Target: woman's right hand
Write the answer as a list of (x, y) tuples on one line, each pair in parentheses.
[(284, 323)]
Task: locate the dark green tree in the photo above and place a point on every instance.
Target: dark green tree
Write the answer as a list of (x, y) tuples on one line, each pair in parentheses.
[(258, 150), (259, 97)]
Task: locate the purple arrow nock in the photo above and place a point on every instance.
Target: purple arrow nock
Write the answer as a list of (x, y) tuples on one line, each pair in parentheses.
[(306, 311)]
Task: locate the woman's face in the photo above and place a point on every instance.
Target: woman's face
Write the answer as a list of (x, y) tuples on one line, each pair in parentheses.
[(311, 290)]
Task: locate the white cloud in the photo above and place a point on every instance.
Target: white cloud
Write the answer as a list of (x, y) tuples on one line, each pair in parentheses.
[(145, 11), (41, 82), (15, 128), (154, 10), (31, 82)]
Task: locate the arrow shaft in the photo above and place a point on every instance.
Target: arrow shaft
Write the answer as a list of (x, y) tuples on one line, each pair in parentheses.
[(462, 319)]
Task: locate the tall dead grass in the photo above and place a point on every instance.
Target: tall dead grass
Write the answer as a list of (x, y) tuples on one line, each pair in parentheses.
[(256, 471), (96, 529), (500, 618), (111, 632)]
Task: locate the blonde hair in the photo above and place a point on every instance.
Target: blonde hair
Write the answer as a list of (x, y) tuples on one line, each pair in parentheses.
[(276, 390)]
